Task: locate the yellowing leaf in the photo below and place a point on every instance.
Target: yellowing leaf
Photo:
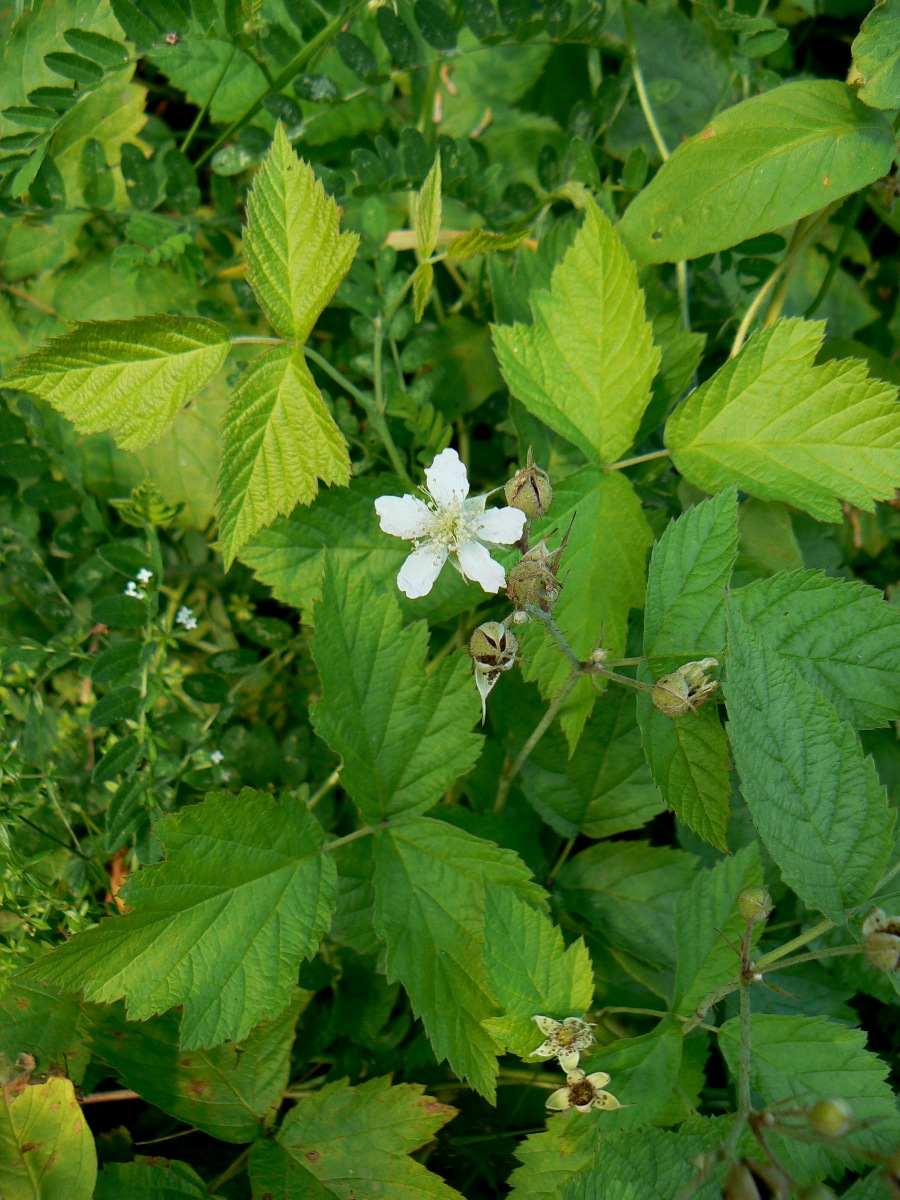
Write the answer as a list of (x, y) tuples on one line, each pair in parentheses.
[(46, 1148)]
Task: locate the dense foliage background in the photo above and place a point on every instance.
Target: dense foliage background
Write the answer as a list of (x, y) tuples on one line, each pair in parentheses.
[(659, 186)]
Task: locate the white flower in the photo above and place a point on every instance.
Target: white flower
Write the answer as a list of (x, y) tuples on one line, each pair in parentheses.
[(583, 1092), (450, 524), (143, 575), (132, 589), (564, 1040), (216, 756), (185, 617)]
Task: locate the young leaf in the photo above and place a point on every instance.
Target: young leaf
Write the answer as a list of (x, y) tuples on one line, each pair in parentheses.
[(876, 55), (404, 736), (428, 212), (220, 926), (422, 283), (150, 1179), (783, 429), (840, 634), (758, 166), (815, 798), (296, 254), (344, 1141), (483, 241), (431, 881), (280, 440), (585, 365), (549, 1159), (46, 1147), (129, 377), (657, 1165)]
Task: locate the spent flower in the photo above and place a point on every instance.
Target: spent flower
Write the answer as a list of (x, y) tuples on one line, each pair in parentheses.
[(564, 1040), (583, 1092), (686, 689), (530, 489), (493, 650)]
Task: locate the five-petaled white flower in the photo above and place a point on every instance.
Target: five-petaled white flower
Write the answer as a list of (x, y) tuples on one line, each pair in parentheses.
[(132, 589), (564, 1040), (185, 617), (449, 524), (144, 575), (583, 1092), (216, 756)]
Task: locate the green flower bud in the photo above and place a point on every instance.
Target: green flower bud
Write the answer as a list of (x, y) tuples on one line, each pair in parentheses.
[(754, 904), (831, 1118), (883, 951), (533, 581), (529, 490), (684, 690)]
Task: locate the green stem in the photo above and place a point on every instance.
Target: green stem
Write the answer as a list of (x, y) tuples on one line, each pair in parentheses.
[(229, 1173), (638, 458), (638, 76), (852, 218), (794, 944), (324, 789), (744, 1101), (815, 955), (257, 341), (564, 854), (350, 837), (377, 350), (189, 136), (558, 636), (538, 732), (625, 680)]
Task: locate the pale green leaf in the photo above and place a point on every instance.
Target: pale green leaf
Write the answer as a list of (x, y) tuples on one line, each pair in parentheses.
[(430, 910), (404, 735), (643, 1073), (783, 429), (211, 70), (757, 166), (130, 377), (483, 241), (531, 972), (150, 1179), (183, 462), (815, 798), (840, 634), (706, 921), (551, 1158), (279, 441), (220, 926), (428, 212), (296, 254), (585, 365), (229, 1091), (46, 1148), (813, 1058), (353, 1142), (876, 55), (422, 282)]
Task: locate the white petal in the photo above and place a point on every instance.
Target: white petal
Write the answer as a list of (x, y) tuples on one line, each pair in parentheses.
[(476, 563), (605, 1102), (403, 516), (558, 1101), (599, 1079), (568, 1060), (447, 480), (585, 1108), (484, 681), (421, 569), (544, 1050), (546, 1025), (502, 526)]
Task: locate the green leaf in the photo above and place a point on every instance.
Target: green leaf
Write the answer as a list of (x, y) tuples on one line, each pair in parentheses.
[(428, 212), (483, 241), (38, 1021), (549, 1159), (815, 798), (150, 1179), (221, 926), (296, 254), (423, 279), (130, 377), (46, 1148), (783, 429), (230, 1092), (431, 881), (813, 1058), (404, 735), (344, 1141), (656, 1165), (279, 441), (585, 365), (643, 1073), (706, 921), (758, 166), (603, 579), (531, 972), (876, 55), (840, 634)]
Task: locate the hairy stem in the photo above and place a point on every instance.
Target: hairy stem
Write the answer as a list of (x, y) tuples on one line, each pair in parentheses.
[(744, 1103)]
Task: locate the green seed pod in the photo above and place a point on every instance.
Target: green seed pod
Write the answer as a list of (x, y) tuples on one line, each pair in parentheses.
[(533, 581), (529, 490), (754, 904), (883, 951), (832, 1118)]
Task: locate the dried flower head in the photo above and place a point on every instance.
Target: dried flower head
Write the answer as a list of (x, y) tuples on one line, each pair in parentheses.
[(882, 940), (686, 689), (583, 1092), (564, 1040), (493, 650)]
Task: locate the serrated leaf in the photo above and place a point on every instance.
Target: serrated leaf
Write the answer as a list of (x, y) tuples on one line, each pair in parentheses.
[(656, 1165), (603, 579), (150, 1179), (815, 798), (876, 55), (585, 365), (813, 1058), (362, 1134), (531, 971), (483, 241), (38, 1021), (430, 910), (220, 926), (46, 1147), (423, 279), (296, 254), (129, 377), (228, 1091), (404, 735), (279, 441), (758, 166), (840, 634), (783, 429), (644, 1072), (550, 1159), (428, 212)]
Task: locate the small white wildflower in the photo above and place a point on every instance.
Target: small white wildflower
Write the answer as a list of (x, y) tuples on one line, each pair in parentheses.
[(564, 1040), (144, 575), (450, 524), (583, 1092), (216, 756), (185, 617), (132, 589)]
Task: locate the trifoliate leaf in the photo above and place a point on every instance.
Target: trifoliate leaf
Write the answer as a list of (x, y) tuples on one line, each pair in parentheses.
[(46, 1147), (431, 881), (584, 367), (353, 1141), (531, 972), (221, 926), (404, 735), (549, 1159), (483, 241), (656, 1165), (280, 440), (296, 254), (428, 212), (840, 634), (876, 55), (131, 377), (150, 1179), (815, 798), (783, 429)]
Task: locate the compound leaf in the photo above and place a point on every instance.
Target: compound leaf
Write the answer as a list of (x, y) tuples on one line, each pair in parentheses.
[(876, 55), (657, 1165), (46, 1148)]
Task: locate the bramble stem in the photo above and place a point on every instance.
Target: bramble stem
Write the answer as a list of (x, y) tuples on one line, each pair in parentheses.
[(744, 1102), (235, 1169), (540, 729), (794, 944), (852, 218), (324, 789)]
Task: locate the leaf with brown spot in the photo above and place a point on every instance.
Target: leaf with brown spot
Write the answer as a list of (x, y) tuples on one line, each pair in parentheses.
[(38, 1121)]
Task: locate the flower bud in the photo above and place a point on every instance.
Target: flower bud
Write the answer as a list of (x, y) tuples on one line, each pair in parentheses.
[(832, 1117), (493, 650), (754, 904), (529, 490), (684, 690), (533, 581), (883, 951)]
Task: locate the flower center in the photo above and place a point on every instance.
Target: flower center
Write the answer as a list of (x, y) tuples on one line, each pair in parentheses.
[(581, 1092), (450, 528)]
